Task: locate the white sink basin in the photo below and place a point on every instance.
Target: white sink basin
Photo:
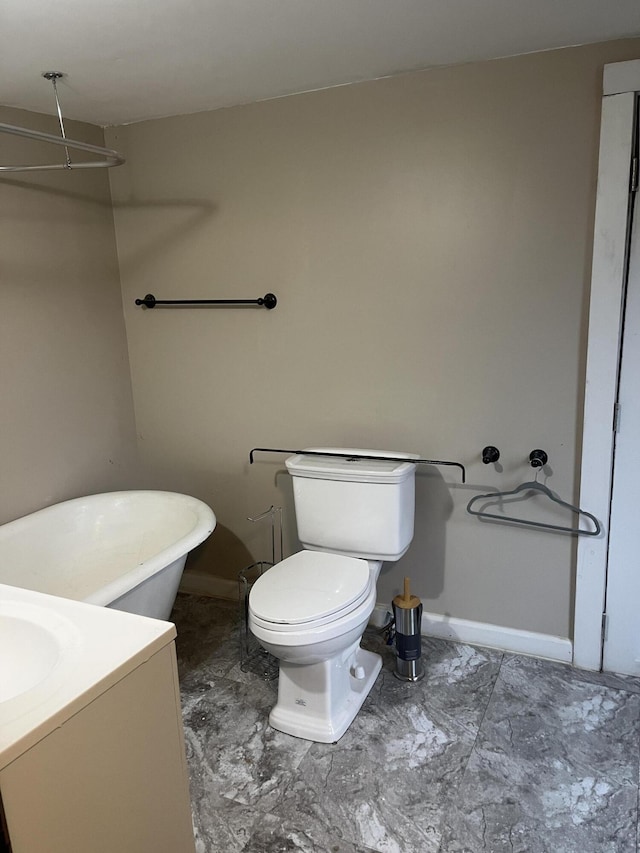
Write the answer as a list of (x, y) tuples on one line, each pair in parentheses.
[(32, 643), (57, 656), (28, 653)]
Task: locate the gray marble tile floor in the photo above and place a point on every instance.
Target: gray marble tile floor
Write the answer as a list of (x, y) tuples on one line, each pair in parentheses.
[(489, 752)]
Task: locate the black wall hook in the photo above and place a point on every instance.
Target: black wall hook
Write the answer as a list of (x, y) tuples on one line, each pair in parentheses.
[(538, 458), (490, 454)]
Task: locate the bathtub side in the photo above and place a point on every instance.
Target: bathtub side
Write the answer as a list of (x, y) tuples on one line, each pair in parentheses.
[(156, 595), (99, 548)]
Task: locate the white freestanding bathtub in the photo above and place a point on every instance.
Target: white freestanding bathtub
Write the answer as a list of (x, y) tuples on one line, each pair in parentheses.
[(124, 550)]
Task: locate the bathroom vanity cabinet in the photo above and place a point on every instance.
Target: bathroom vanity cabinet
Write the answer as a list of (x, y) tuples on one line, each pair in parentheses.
[(97, 765), (111, 778)]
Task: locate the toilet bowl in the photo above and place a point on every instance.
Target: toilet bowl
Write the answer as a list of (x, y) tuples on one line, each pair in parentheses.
[(354, 510), (310, 611)]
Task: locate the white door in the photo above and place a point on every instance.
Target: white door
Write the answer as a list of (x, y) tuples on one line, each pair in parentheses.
[(621, 651)]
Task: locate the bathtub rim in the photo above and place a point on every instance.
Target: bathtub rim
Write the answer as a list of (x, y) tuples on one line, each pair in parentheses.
[(204, 526)]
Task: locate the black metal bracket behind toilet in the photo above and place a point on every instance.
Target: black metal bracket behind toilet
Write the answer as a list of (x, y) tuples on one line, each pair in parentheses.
[(355, 456)]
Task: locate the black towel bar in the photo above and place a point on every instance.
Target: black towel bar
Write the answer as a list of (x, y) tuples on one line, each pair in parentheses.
[(269, 300), (358, 456)]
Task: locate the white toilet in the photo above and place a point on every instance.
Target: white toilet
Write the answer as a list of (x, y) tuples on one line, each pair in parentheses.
[(310, 610)]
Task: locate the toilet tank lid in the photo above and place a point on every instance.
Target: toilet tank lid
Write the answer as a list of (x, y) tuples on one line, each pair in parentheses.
[(387, 470)]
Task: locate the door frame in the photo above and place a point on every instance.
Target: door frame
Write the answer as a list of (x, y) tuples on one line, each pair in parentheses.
[(621, 81)]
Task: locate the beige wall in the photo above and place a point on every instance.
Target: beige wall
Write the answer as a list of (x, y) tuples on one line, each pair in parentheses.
[(66, 417), (428, 238)]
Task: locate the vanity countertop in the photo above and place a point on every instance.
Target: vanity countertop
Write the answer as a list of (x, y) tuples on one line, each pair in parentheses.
[(57, 656)]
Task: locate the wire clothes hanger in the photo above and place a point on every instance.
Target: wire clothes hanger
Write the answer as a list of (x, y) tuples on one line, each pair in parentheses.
[(109, 156), (532, 486)]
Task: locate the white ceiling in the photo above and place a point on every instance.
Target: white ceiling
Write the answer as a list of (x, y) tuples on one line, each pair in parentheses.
[(128, 60)]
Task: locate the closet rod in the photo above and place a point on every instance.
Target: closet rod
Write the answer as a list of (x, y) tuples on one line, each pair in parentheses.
[(269, 300), (359, 456)]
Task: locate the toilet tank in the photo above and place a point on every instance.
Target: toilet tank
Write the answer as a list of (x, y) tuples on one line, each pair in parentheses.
[(359, 507)]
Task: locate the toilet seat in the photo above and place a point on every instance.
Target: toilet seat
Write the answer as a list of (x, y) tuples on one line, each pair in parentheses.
[(309, 589)]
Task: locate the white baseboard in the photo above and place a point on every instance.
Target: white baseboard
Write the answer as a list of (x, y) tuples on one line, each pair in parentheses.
[(196, 583), (433, 624), (493, 636)]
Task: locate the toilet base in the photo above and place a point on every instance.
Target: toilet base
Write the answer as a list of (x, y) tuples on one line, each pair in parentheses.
[(319, 701)]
